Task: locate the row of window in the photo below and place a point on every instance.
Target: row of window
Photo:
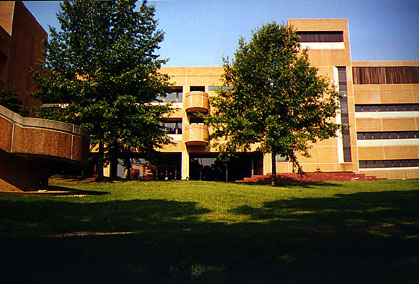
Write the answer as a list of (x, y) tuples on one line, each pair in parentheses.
[(321, 36), (177, 95), (386, 75), (387, 107), (175, 126), (363, 164), (387, 135)]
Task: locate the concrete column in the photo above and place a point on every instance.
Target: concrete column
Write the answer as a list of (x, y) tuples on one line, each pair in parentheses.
[(185, 165), (267, 163)]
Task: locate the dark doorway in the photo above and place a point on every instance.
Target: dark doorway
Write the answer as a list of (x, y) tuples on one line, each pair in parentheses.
[(205, 166), (159, 166), (168, 166)]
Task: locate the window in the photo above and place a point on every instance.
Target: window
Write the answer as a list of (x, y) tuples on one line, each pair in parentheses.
[(214, 88), (387, 107), (386, 75), (344, 119), (344, 115), (176, 96), (388, 163), (196, 120), (344, 105), (387, 135), (174, 127), (280, 158), (321, 36), (197, 88)]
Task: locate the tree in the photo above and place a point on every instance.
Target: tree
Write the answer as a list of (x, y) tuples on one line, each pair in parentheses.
[(101, 72), (10, 99), (276, 100)]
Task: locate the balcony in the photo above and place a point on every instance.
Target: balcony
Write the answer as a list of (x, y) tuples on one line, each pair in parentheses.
[(196, 101), (196, 135)]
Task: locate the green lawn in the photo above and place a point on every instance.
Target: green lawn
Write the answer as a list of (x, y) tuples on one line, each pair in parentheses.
[(210, 232)]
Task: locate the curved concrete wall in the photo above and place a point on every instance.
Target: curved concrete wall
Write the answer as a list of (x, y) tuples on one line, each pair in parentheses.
[(29, 147), (196, 134), (196, 102), (35, 136)]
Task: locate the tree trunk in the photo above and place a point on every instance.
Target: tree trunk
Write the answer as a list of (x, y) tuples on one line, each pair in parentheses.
[(99, 163), (226, 165), (127, 163), (274, 180), (113, 151)]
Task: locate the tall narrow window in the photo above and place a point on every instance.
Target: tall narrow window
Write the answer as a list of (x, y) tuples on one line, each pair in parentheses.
[(346, 138)]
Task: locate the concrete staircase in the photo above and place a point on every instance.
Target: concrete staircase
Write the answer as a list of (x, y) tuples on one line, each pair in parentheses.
[(310, 177)]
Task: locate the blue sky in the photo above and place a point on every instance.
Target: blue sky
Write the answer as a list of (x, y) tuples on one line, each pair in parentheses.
[(201, 32)]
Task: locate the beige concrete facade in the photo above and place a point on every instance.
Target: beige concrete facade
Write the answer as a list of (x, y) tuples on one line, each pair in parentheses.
[(328, 155), (393, 95), (353, 150)]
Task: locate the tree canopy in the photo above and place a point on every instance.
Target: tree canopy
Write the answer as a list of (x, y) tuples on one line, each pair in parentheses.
[(277, 100), (10, 99), (101, 72)]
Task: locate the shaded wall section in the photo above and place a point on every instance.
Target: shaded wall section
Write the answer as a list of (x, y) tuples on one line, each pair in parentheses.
[(21, 48)]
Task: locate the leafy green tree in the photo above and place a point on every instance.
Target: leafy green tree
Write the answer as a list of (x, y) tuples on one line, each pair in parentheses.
[(10, 99), (101, 72), (277, 100)]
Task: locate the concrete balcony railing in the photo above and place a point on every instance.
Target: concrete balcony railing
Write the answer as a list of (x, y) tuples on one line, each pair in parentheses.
[(196, 134), (30, 147), (196, 102), (43, 137)]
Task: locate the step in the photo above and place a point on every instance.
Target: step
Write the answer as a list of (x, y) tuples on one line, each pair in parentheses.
[(311, 177)]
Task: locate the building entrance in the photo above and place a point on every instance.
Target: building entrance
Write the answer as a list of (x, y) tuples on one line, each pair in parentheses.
[(205, 166)]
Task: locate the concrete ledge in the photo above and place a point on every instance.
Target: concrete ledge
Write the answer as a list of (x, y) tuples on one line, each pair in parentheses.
[(42, 137), (30, 147), (31, 122)]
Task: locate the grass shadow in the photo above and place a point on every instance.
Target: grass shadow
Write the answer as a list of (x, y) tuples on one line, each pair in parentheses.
[(300, 240), (394, 213), (44, 217)]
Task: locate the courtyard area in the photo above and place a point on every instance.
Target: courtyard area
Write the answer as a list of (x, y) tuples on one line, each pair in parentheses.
[(211, 232)]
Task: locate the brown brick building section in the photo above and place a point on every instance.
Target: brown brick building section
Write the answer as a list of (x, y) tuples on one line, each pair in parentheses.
[(20, 49), (30, 147)]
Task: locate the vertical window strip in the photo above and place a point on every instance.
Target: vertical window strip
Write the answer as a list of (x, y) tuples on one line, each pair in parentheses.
[(344, 115)]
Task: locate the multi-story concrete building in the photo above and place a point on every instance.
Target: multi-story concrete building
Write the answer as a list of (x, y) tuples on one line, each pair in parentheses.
[(380, 104)]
